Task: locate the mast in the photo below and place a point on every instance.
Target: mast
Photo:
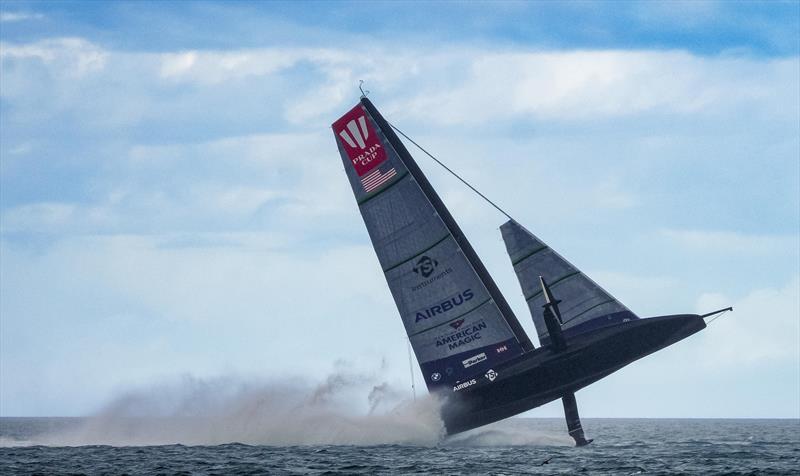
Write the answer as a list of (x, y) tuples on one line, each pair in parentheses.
[(451, 225), (552, 318)]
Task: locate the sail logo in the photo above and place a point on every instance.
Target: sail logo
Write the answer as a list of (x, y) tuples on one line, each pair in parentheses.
[(360, 134), (465, 336), (464, 385), (445, 306), (457, 323), (491, 375), (363, 147), (425, 266), (475, 359)]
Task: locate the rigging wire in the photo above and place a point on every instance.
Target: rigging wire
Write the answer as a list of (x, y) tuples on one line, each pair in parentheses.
[(718, 316), (453, 173), (411, 369)]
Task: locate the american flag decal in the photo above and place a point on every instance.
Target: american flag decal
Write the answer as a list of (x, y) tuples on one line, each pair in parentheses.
[(376, 178), (358, 139)]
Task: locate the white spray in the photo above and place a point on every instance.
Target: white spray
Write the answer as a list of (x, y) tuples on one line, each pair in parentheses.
[(224, 410), (192, 411)]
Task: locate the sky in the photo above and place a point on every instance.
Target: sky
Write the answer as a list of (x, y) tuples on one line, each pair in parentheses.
[(172, 202)]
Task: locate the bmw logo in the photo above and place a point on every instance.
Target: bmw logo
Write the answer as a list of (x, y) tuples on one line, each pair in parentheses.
[(436, 376)]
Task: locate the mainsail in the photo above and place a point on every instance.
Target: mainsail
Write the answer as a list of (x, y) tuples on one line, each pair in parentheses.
[(585, 305), (458, 323)]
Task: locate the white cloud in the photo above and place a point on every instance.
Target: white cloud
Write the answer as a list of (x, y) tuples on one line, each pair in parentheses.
[(19, 16), (201, 303), (606, 84), (456, 86), (639, 293), (734, 243), (210, 67), (214, 67), (319, 101), (763, 328), (177, 64), (22, 149), (73, 58), (59, 217), (44, 216), (223, 185)]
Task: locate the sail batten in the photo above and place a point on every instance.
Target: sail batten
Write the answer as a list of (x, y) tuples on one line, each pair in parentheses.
[(415, 255), (555, 282), (458, 323), (456, 318)]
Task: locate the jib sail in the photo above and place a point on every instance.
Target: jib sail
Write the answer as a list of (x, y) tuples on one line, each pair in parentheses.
[(585, 306), (456, 319)]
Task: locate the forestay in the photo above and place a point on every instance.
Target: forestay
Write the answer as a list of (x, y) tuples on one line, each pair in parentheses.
[(585, 306), (457, 322)]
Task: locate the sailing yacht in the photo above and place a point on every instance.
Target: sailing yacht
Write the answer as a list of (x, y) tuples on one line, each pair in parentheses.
[(470, 346)]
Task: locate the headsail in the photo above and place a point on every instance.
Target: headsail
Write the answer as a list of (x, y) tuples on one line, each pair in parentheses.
[(457, 321), (585, 306)]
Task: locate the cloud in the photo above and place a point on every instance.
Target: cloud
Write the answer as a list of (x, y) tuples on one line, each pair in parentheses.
[(38, 217), (462, 86), (763, 329), (585, 85), (19, 16), (233, 184), (745, 364), (71, 58), (199, 303), (209, 67), (733, 243)]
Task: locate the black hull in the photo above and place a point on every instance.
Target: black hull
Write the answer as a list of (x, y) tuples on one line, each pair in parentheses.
[(542, 376)]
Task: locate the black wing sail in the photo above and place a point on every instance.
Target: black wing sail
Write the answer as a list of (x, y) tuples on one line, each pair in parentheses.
[(585, 306), (457, 321)]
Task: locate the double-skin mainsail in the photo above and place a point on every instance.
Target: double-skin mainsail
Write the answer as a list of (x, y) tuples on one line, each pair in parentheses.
[(458, 322)]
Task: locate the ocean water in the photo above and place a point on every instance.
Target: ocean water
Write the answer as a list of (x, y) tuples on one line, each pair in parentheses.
[(515, 446)]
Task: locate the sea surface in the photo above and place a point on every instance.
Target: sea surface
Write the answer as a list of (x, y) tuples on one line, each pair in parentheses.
[(516, 446)]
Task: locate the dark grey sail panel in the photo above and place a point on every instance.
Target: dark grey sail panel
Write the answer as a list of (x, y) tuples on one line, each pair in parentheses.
[(452, 226), (438, 274), (585, 306), (402, 221), (452, 319)]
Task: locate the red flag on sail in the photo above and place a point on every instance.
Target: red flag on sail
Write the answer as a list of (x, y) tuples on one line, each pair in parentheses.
[(363, 148)]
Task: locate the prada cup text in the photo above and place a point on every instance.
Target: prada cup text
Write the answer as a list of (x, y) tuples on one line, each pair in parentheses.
[(367, 156)]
